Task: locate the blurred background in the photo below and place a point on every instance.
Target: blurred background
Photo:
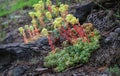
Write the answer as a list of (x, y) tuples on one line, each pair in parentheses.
[(8, 6)]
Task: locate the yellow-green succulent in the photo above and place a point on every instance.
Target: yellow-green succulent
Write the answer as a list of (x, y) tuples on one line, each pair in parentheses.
[(33, 21), (74, 21), (39, 6), (71, 19), (48, 15), (55, 10), (31, 28), (44, 32), (38, 14), (21, 30), (58, 22), (63, 8), (48, 3), (26, 27), (32, 14)]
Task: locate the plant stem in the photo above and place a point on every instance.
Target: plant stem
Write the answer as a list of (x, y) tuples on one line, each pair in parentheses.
[(41, 21), (51, 44), (25, 37)]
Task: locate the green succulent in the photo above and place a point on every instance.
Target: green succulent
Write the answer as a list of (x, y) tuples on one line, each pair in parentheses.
[(32, 14), (31, 28), (63, 8), (57, 22), (71, 19), (44, 32), (21, 30), (48, 15), (48, 3), (39, 6), (55, 10), (33, 21), (26, 27), (38, 14)]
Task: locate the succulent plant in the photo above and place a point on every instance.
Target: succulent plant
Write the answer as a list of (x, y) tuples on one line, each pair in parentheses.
[(39, 6), (74, 21), (80, 44), (32, 14), (88, 27), (51, 44), (48, 3), (77, 53), (21, 30), (63, 8), (71, 19), (31, 28), (33, 21), (44, 32), (26, 27), (57, 22), (38, 14), (55, 10), (48, 15), (28, 30)]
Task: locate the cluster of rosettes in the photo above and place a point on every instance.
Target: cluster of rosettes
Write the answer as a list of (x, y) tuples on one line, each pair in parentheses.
[(57, 22), (48, 15), (31, 28), (39, 6), (63, 8), (21, 29), (38, 14), (55, 10), (40, 9), (48, 3), (71, 19), (32, 14), (44, 32)]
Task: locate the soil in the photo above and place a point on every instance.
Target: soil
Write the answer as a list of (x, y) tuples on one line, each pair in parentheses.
[(104, 21)]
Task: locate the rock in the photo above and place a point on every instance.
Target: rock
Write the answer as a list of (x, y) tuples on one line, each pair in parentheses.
[(6, 22), (15, 16), (41, 69), (117, 30), (112, 37), (83, 11), (19, 70), (13, 51), (119, 38), (12, 37), (93, 74), (103, 21), (109, 52), (5, 58)]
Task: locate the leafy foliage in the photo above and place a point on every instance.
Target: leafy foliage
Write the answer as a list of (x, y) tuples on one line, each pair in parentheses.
[(71, 55)]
